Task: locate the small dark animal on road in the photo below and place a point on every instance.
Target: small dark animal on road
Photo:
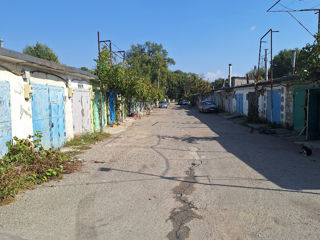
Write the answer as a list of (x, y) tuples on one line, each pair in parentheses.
[(305, 151)]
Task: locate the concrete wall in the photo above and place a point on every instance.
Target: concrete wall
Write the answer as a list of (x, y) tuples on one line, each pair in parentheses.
[(283, 104)]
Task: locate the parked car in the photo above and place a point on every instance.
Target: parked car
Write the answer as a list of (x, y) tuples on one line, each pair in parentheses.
[(163, 104), (208, 106), (185, 102)]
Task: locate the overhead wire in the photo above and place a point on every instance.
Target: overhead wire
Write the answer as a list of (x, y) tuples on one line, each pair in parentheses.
[(301, 24)]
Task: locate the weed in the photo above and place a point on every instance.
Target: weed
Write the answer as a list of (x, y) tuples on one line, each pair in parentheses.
[(83, 147), (27, 163), (86, 139)]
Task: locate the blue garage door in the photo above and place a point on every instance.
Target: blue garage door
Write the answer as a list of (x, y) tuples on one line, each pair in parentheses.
[(112, 107), (239, 103), (48, 115), (5, 117), (276, 96)]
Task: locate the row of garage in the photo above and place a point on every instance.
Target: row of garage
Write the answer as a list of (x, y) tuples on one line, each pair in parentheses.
[(38, 95), (290, 103)]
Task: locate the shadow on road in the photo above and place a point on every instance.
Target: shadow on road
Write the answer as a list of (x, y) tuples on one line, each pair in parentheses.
[(277, 160)]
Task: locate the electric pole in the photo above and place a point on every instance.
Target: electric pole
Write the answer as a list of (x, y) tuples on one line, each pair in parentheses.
[(158, 77), (266, 64), (100, 87), (271, 66), (318, 22)]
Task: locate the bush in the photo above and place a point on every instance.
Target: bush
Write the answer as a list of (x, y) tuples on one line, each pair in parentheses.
[(27, 163)]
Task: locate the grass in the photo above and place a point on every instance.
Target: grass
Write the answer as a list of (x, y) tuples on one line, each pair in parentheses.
[(82, 142)]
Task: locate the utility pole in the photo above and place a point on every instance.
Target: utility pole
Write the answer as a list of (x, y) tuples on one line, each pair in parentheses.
[(271, 81), (294, 55), (271, 74), (318, 22), (271, 66), (266, 64), (158, 77), (100, 87), (261, 41), (110, 51), (230, 73)]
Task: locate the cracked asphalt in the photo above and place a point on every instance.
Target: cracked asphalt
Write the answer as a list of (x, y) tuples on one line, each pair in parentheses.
[(177, 174)]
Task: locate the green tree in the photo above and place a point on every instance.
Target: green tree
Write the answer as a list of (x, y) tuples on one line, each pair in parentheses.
[(251, 74), (218, 83), (308, 64), (150, 60), (87, 70), (175, 87), (282, 62), (41, 51)]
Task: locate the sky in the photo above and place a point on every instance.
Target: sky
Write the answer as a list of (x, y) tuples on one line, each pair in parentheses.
[(202, 36)]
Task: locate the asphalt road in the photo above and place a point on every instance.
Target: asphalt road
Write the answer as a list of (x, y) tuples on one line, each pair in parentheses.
[(177, 174)]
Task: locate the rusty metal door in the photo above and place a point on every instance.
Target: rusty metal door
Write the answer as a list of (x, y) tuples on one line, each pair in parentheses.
[(81, 111), (253, 106)]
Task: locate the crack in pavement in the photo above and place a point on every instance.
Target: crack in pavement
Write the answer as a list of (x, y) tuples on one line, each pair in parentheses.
[(184, 214)]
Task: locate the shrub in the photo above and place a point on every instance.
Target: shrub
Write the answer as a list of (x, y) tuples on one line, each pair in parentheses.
[(28, 163)]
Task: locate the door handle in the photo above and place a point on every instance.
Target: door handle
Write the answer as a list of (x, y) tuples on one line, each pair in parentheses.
[(52, 125)]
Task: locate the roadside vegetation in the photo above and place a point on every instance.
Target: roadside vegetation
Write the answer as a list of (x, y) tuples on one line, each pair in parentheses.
[(27, 164), (83, 142)]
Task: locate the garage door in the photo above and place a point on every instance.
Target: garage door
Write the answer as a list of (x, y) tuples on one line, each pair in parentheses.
[(81, 111), (48, 114), (5, 117), (276, 97)]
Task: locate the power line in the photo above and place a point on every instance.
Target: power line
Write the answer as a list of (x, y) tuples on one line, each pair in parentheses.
[(300, 23), (290, 11)]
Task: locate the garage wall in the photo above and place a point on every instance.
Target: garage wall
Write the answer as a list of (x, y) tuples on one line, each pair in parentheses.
[(21, 109), (21, 114)]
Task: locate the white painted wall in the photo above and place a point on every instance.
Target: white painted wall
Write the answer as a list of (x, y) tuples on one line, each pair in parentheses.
[(21, 112)]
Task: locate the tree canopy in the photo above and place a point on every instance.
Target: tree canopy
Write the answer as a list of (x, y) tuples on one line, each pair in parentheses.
[(307, 62), (308, 66), (282, 62), (218, 83), (41, 51), (151, 61)]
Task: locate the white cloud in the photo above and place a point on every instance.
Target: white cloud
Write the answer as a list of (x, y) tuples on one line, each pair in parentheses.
[(212, 76), (252, 28)]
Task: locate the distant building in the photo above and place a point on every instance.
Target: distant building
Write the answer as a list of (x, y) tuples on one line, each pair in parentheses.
[(238, 81)]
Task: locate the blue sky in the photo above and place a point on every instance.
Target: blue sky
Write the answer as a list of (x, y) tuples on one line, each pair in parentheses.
[(203, 36)]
